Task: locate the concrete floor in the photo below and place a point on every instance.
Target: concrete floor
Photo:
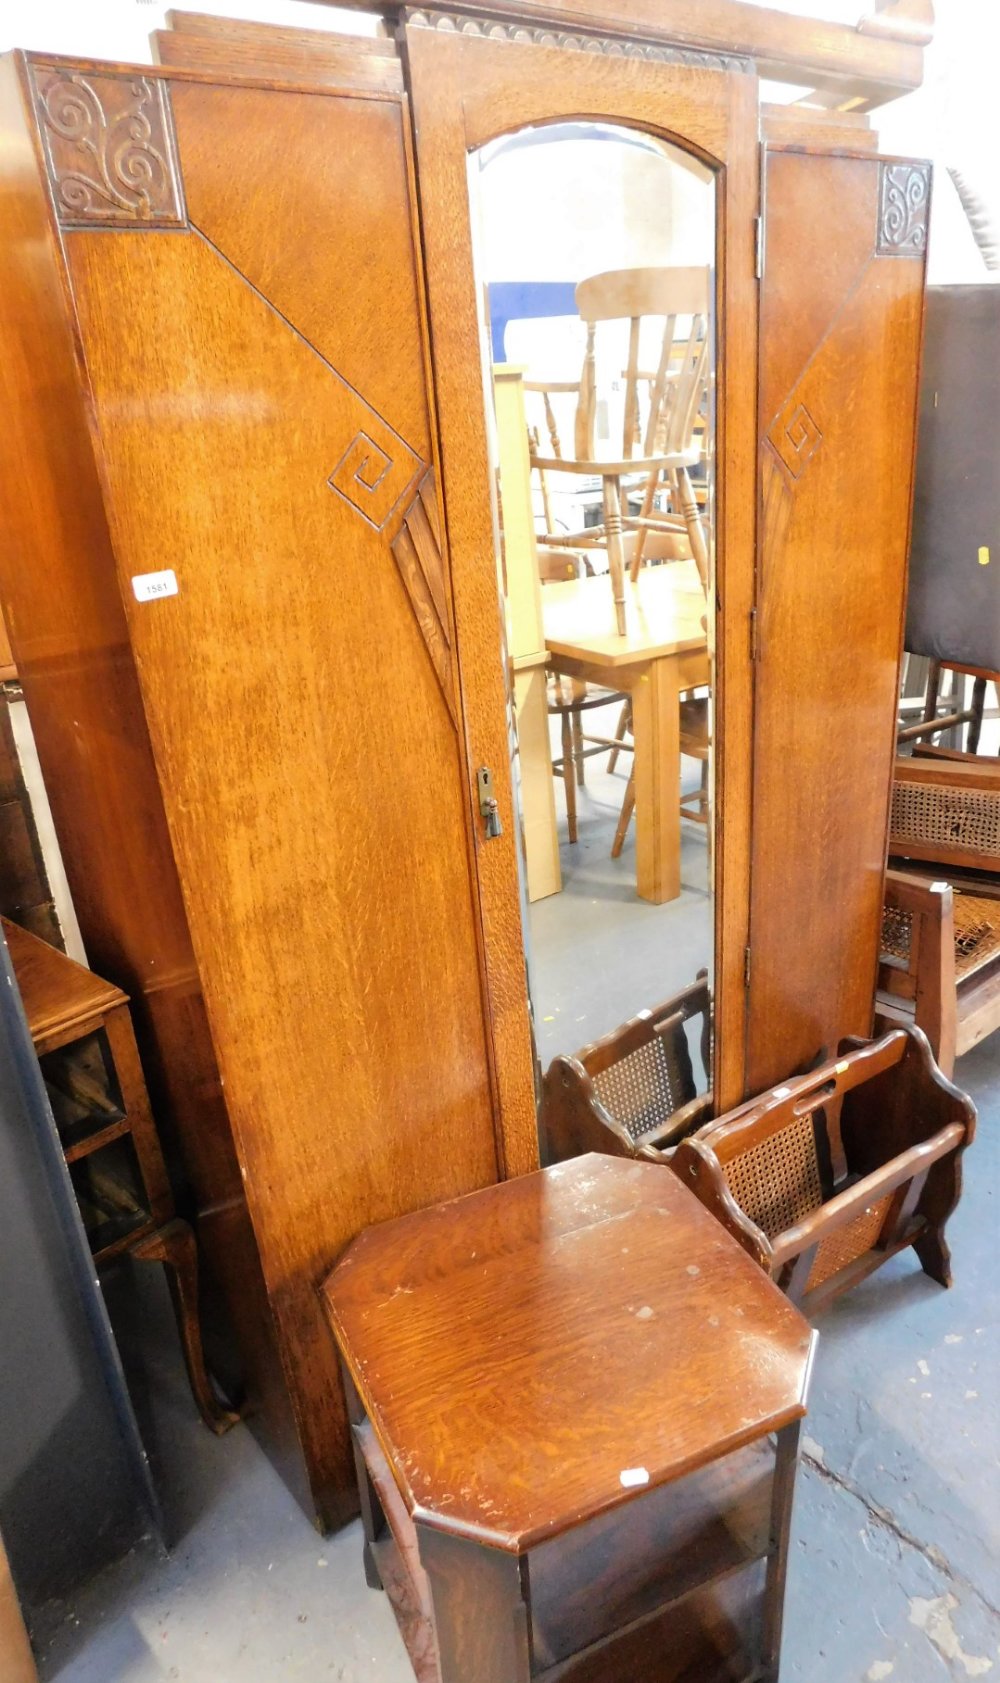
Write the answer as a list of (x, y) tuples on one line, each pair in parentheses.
[(597, 954), (895, 1570)]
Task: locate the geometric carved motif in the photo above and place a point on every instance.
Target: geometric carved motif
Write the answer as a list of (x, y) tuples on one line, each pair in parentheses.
[(795, 437), (904, 201), (418, 555), (375, 471), (109, 149)]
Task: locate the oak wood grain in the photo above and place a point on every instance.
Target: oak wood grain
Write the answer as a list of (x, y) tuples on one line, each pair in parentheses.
[(873, 68), (465, 92), (832, 577), (67, 624), (56, 992), (198, 41), (314, 877), (466, 1328), (808, 127), (309, 166)]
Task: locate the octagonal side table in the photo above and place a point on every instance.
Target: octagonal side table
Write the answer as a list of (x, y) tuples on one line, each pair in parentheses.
[(576, 1405)]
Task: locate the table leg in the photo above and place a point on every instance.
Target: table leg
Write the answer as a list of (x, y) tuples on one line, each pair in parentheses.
[(786, 1466), (657, 737), (373, 1520), (174, 1245), (538, 803), (480, 1601)]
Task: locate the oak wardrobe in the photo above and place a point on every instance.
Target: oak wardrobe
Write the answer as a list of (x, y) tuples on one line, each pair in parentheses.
[(251, 586)]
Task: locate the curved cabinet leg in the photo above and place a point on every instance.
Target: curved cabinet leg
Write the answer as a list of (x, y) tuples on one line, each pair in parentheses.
[(174, 1245)]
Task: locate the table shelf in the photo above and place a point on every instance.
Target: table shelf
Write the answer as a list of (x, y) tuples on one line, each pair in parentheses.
[(647, 1581), (702, 1638), (648, 1556)]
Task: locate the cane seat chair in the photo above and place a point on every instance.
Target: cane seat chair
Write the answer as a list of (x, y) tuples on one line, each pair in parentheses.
[(939, 961), (634, 1092), (659, 443), (946, 808), (933, 722)]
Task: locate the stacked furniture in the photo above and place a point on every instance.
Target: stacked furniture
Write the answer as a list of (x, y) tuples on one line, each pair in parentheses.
[(250, 585), (953, 605), (940, 961), (82, 1034)]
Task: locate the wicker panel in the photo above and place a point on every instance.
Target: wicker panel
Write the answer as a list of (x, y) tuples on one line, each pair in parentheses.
[(642, 1090), (977, 933), (897, 933), (848, 1242), (777, 1183), (958, 818)]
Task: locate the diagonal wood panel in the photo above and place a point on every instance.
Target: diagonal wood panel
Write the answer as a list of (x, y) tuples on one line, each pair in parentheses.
[(808, 294), (316, 810), (417, 551), (309, 200), (836, 463)]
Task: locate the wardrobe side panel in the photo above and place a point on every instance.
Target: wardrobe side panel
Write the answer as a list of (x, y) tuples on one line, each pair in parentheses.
[(265, 439), (841, 317), (70, 638)]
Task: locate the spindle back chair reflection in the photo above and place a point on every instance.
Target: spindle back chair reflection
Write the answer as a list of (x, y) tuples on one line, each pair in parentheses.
[(662, 405)]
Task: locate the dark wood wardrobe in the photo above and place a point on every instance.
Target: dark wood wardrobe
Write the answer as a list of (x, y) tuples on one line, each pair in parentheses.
[(250, 584)]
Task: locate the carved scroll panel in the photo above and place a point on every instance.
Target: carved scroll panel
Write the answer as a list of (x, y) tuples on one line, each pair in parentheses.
[(109, 149)]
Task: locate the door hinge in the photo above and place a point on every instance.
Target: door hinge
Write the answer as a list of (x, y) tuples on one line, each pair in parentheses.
[(754, 638), (746, 968), (758, 238)]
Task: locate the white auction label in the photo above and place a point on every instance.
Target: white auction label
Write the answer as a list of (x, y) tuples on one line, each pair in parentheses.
[(147, 587)]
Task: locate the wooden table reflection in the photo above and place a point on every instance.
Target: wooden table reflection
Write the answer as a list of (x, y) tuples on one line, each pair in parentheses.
[(663, 653)]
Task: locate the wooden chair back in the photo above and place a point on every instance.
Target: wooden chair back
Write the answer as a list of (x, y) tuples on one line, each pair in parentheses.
[(676, 385), (633, 1092), (555, 565)]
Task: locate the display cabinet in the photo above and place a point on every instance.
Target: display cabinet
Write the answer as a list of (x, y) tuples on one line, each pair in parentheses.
[(82, 1035)]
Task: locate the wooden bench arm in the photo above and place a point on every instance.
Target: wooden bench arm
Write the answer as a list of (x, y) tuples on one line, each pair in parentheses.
[(931, 968)]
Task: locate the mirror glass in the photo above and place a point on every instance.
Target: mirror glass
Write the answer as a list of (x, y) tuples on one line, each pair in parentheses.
[(595, 249)]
